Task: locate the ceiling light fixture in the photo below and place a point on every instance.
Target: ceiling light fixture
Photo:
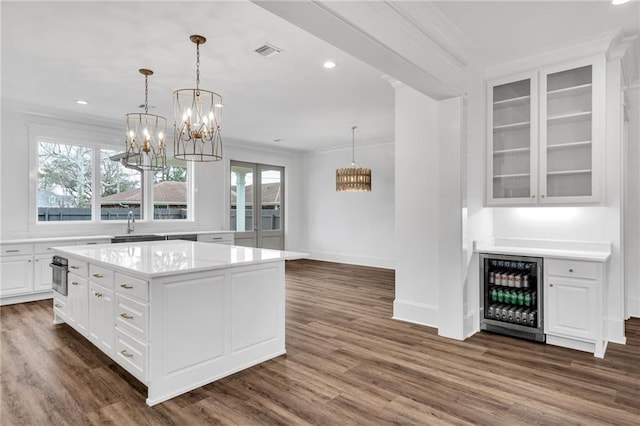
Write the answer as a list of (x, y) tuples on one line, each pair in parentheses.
[(329, 65), (197, 114), (81, 102), (353, 179), (145, 135)]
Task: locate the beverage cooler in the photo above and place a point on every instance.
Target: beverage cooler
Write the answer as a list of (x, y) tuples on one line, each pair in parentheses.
[(511, 296)]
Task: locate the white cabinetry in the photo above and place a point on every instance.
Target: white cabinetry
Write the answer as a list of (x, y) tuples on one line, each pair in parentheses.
[(25, 271), (218, 238), (16, 270), (574, 305), (101, 322), (131, 321), (101, 308), (546, 135), (78, 303)]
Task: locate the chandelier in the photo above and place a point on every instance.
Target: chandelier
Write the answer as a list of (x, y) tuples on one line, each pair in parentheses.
[(145, 135), (197, 114), (353, 179)]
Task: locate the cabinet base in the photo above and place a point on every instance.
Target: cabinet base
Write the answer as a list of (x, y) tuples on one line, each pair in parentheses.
[(508, 331), (598, 351), (32, 297)]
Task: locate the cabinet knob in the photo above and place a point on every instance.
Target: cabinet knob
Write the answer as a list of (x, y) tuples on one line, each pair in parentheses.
[(550, 285), (542, 196), (533, 195), (74, 283), (98, 294), (570, 269)]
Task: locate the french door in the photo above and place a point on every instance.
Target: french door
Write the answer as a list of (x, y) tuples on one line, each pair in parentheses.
[(257, 205)]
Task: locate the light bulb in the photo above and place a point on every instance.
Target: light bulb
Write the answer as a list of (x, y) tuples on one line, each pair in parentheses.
[(160, 136), (131, 134)]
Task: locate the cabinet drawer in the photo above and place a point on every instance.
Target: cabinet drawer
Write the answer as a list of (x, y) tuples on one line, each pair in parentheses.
[(132, 316), (101, 276), (75, 280), (133, 287), (60, 304), (42, 248), (15, 249), (131, 355), (78, 268), (226, 238), (573, 268)]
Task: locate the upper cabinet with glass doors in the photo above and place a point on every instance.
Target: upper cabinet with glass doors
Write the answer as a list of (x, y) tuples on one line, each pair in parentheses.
[(546, 132)]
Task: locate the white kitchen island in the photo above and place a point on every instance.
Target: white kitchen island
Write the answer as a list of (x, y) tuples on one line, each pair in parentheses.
[(177, 314)]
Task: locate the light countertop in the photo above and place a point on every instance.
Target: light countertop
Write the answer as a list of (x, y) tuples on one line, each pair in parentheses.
[(104, 237), (169, 257), (573, 250)]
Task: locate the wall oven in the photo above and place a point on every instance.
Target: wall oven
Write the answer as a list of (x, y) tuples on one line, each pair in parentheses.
[(60, 270)]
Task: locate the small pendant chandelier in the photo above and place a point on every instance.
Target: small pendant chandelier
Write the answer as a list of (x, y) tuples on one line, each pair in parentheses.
[(145, 135), (197, 114), (353, 179)]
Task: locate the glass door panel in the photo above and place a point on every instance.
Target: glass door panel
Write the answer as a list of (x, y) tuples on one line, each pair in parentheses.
[(271, 183), (511, 140), (568, 133), (242, 179)]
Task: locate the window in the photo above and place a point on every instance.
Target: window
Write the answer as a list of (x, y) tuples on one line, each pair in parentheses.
[(170, 191), (120, 189), (65, 182), (68, 171)]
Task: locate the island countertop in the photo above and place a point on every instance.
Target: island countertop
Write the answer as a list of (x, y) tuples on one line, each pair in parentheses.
[(163, 258)]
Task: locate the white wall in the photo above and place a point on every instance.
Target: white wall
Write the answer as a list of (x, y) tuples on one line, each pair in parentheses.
[(350, 227), (211, 179), (632, 207), (416, 188)]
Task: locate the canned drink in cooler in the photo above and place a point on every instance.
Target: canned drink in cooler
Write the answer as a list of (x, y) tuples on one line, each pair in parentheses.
[(511, 314), (517, 281), (532, 317), (505, 312), (492, 276), (518, 315), (525, 281), (491, 311), (511, 280)]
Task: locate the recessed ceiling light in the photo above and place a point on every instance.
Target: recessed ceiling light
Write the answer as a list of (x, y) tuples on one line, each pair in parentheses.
[(81, 102), (617, 2), (329, 64)]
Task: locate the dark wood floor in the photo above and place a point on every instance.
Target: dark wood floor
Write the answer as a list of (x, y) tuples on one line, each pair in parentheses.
[(347, 362)]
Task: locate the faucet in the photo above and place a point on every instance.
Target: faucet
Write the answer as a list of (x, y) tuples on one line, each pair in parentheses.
[(131, 220)]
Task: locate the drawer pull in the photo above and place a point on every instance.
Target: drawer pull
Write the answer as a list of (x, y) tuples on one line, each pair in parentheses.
[(127, 286), (74, 282), (57, 305), (12, 251), (125, 353), (217, 238), (98, 294), (98, 275), (126, 316), (74, 267), (570, 270), (550, 285)]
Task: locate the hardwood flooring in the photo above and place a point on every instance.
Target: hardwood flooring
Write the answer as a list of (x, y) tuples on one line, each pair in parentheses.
[(347, 362)]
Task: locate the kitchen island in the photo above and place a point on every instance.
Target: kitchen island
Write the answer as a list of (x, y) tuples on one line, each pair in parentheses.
[(177, 314)]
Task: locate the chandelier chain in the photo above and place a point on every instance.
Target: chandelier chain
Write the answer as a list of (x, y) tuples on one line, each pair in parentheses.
[(146, 94), (197, 67), (353, 144)]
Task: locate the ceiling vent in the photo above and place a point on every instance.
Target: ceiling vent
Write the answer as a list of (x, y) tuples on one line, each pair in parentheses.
[(268, 50)]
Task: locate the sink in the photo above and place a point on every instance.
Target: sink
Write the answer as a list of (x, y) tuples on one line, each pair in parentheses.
[(130, 238)]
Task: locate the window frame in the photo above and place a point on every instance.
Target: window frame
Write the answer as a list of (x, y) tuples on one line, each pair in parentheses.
[(96, 142)]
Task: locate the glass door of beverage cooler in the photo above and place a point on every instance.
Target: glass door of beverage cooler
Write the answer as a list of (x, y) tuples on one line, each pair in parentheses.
[(511, 296)]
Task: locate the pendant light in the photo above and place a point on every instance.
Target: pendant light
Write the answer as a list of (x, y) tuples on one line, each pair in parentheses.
[(353, 179), (145, 135), (197, 114)]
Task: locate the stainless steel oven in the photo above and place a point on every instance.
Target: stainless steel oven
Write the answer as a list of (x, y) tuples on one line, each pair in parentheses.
[(60, 269)]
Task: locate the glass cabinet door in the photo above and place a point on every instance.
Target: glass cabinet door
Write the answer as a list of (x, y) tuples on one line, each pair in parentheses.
[(511, 152), (566, 135)]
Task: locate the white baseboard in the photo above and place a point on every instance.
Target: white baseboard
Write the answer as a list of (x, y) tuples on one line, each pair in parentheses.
[(376, 262), (615, 331), (10, 300), (416, 313)]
